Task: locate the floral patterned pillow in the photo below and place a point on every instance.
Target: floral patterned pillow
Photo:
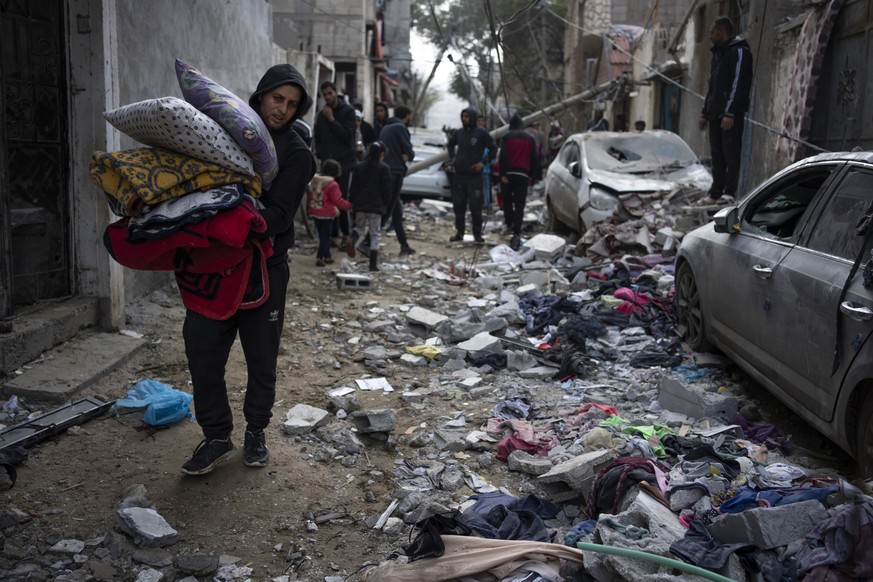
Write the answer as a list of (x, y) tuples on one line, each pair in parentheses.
[(174, 124), (234, 115)]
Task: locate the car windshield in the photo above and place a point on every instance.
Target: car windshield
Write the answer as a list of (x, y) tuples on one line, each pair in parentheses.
[(637, 152)]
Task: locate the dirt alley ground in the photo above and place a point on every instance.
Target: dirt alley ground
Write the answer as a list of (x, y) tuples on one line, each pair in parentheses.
[(72, 483)]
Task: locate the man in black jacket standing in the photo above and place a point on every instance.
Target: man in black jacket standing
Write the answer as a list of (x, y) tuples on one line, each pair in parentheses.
[(395, 136), (469, 148), (724, 109), (335, 140), (279, 99)]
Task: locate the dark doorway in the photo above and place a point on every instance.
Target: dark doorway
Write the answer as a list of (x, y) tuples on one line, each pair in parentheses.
[(33, 152)]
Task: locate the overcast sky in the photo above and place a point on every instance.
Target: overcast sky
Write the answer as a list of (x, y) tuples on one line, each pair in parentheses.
[(446, 111)]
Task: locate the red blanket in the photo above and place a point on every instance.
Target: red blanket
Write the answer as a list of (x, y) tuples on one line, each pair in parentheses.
[(219, 269)]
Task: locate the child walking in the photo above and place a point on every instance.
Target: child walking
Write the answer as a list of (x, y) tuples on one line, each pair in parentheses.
[(369, 193), (324, 203)]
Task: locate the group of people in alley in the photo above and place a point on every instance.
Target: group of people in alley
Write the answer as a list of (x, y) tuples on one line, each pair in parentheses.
[(356, 194)]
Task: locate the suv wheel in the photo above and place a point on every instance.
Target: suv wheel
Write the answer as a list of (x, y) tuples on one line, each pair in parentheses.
[(691, 325)]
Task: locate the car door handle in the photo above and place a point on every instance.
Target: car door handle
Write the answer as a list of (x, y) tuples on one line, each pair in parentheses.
[(762, 272), (858, 313)]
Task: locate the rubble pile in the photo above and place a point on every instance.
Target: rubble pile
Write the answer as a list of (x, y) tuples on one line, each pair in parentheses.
[(544, 420)]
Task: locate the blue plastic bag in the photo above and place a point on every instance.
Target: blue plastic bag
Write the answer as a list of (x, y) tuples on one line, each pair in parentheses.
[(163, 404)]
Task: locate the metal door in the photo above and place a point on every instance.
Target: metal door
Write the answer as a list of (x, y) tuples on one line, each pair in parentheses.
[(34, 241), (843, 115)]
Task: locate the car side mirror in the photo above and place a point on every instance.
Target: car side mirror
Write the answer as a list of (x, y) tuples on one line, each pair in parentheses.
[(575, 170), (727, 220)]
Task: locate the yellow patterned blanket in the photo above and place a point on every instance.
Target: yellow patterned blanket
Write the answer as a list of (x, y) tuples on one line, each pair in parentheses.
[(135, 178)]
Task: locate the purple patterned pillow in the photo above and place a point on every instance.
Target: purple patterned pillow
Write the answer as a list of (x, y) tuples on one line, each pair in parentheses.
[(234, 115)]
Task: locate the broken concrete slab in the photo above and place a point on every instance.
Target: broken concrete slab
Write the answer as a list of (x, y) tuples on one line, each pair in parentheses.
[(527, 463), (482, 342), (372, 421), (70, 368), (418, 316), (572, 478), (694, 401), (146, 526), (547, 247), (769, 527), (303, 419)]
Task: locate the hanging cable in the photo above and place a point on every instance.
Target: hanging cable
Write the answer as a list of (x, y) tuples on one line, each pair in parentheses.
[(656, 72)]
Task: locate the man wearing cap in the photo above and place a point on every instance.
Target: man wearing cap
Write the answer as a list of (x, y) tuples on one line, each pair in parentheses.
[(279, 99)]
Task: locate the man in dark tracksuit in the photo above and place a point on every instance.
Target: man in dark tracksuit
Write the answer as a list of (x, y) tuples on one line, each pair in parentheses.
[(519, 167), (724, 109), (335, 140), (467, 148), (395, 136), (279, 99)]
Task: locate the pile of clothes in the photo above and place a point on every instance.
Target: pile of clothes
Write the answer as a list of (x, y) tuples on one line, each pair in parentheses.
[(188, 201)]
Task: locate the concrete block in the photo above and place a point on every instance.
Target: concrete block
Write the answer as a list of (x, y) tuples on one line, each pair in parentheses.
[(694, 401), (684, 498), (424, 317), (547, 247), (540, 372), (519, 360), (482, 342), (413, 361), (573, 478), (146, 526), (353, 281), (369, 421), (303, 419), (528, 290), (769, 527), (446, 440), (526, 463)]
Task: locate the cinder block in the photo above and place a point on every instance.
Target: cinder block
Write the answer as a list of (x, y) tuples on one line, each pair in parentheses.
[(573, 478), (694, 401), (368, 421), (353, 281), (769, 527), (527, 463)]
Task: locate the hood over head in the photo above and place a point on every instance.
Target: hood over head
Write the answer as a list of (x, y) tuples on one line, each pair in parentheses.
[(275, 76), (474, 114), (516, 122)]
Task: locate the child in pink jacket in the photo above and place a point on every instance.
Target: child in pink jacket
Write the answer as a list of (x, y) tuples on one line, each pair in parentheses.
[(324, 204)]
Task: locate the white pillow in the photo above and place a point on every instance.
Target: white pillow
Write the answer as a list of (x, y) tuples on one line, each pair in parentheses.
[(175, 124)]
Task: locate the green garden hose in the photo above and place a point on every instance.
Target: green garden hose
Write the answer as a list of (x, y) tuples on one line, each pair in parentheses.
[(661, 560)]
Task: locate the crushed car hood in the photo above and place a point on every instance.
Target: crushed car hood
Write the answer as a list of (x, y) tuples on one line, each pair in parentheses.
[(694, 176)]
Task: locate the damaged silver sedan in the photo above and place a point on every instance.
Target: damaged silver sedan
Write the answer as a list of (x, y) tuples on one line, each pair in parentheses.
[(783, 285), (595, 172)]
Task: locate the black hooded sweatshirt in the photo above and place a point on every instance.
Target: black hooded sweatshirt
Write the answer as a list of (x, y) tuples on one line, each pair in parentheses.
[(296, 164), (470, 144)]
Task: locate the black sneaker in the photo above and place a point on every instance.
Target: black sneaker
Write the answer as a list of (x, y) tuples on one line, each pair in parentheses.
[(479, 240), (457, 238), (407, 250), (208, 455), (515, 243), (255, 453)]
